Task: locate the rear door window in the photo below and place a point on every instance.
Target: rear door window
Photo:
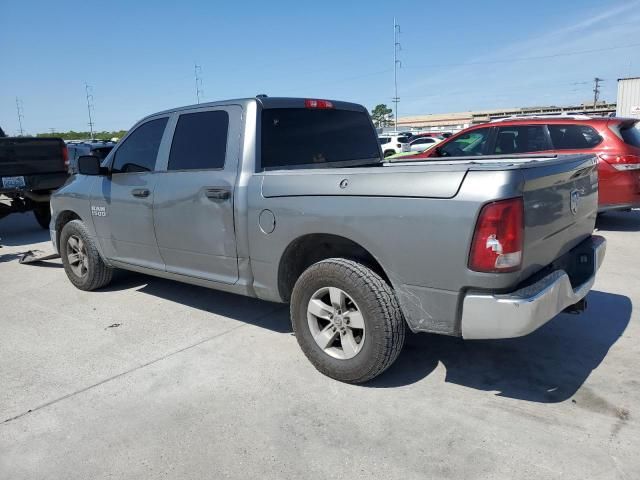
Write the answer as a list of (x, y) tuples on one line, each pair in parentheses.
[(631, 134), (521, 139), (295, 137), (139, 151), (471, 143), (200, 141), (573, 137)]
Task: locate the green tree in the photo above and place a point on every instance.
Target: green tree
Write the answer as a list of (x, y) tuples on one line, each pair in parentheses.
[(382, 116), (73, 135)]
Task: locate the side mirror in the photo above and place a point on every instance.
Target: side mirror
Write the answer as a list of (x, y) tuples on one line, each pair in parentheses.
[(88, 165)]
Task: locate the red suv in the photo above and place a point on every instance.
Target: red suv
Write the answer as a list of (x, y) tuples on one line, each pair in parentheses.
[(616, 142)]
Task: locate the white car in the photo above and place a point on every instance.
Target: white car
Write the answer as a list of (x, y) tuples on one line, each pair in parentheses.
[(421, 144), (392, 144)]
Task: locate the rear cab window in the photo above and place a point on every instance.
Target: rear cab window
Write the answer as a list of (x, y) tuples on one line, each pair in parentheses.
[(199, 141), (316, 138)]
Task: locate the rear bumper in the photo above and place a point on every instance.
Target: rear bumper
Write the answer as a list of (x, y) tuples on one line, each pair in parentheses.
[(521, 312)]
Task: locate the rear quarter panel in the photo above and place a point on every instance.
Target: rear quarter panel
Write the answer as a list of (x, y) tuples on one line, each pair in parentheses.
[(421, 241)]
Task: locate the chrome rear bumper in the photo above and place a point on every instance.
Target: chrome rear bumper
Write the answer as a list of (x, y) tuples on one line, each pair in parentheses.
[(521, 312)]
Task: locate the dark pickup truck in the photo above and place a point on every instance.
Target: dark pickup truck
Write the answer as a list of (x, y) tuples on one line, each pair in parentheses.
[(30, 170)]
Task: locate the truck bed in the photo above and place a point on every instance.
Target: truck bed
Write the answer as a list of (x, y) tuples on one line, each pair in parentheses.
[(456, 190)]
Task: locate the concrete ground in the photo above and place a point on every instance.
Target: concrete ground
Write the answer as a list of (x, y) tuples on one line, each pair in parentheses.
[(154, 379)]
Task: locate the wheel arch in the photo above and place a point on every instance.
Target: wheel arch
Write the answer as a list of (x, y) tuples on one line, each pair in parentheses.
[(311, 248), (62, 219)]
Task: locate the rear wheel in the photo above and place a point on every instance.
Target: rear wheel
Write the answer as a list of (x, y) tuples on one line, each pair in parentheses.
[(42, 212), (347, 320), (388, 153), (82, 262)]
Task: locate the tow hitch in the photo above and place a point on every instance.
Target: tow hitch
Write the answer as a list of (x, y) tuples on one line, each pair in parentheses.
[(577, 307)]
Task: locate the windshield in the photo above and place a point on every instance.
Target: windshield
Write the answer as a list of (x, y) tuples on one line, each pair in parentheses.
[(316, 137)]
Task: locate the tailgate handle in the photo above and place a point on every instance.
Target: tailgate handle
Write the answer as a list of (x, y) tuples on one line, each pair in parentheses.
[(218, 193), (140, 192)]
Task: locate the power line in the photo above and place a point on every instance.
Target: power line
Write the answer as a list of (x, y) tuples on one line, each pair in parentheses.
[(522, 59), (197, 70), (88, 89), (19, 109), (396, 63)]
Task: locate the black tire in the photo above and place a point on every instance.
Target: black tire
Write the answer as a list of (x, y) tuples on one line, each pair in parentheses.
[(42, 213), (98, 274), (388, 153), (383, 319)]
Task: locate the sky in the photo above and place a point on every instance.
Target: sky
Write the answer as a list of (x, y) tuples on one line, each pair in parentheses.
[(138, 56)]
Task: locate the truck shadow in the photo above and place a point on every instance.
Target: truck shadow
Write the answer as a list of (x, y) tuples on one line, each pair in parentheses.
[(269, 315), (619, 222), (546, 366)]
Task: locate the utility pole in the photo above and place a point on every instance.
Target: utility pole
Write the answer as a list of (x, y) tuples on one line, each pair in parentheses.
[(197, 70), (20, 115), (596, 90), (396, 48), (87, 90)]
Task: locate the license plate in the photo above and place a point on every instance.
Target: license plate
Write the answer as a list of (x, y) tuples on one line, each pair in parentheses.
[(13, 182)]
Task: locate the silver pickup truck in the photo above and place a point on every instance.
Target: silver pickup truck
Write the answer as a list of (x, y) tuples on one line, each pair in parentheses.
[(290, 200)]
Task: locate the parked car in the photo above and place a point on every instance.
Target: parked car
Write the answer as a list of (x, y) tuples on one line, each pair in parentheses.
[(421, 144), (30, 169), (289, 200), (432, 134), (615, 141), (99, 149), (392, 144)]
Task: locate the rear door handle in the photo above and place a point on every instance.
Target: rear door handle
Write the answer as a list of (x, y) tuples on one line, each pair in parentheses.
[(217, 193), (140, 192)]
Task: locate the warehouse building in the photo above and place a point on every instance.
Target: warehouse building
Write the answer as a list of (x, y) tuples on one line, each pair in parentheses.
[(453, 122)]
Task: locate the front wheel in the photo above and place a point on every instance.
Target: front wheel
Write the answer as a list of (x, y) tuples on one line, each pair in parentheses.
[(82, 262), (347, 320)]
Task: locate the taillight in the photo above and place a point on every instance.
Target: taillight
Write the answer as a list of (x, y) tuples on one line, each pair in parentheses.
[(621, 162), (65, 155), (399, 145), (498, 237), (320, 104)]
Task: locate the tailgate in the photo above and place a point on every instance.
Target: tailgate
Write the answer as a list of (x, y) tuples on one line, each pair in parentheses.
[(560, 208), (29, 156)]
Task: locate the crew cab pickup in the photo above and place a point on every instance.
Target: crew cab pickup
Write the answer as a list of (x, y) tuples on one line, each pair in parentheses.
[(290, 200), (30, 169)]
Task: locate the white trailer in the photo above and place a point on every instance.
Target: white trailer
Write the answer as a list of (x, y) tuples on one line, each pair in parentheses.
[(628, 97)]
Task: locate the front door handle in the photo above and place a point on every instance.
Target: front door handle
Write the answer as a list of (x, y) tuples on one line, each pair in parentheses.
[(217, 193), (140, 192)]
